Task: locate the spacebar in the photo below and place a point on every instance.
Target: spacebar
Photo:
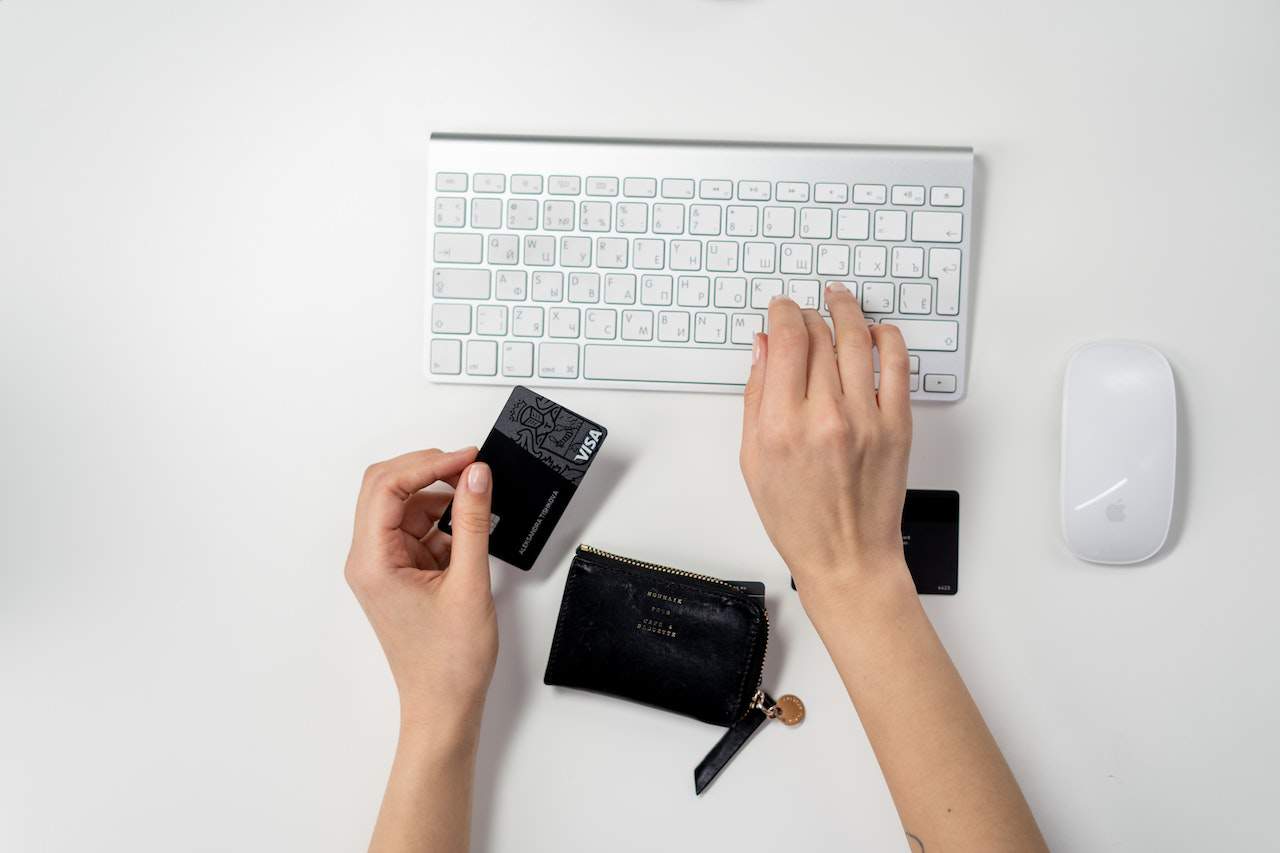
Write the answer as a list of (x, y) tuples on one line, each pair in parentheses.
[(667, 364)]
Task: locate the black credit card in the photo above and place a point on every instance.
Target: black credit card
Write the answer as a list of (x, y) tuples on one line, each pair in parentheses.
[(539, 452), (931, 540)]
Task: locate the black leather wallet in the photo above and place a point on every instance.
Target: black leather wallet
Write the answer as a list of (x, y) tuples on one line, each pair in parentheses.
[(688, 643)]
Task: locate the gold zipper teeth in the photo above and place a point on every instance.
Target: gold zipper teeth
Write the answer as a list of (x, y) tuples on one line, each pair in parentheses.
[(657, 567)]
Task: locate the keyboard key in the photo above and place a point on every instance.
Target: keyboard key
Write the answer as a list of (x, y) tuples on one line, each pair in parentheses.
[(564, 185), (869, 261), (503, 249), (526, 184), (611, 253), (851, 286), (877, 297), (562, 322), (833, 259), (891, 225), (450, 318), (908, 196), (709, 327), (487, 182), (763, 290), (869, 194), (526, 321), (601, 324), (602, 186), (575, 251), (792, 191), (539, 251), (522, 213), (547, 287), (754, 190), (446, 356), (595, 216), (517, 358), (796, 258), (779, 222), (731, 292), (460, 284), (655, 290), (491, 319), (803, 292), (908, 262), (741, 220), (946, 196), (637, 325), (482, 358), (486, 213), (715, 189), (686, 255), (557, 215), (915, 363), (704, 219), (557, 361), (935, 226), (944, 265), (673, 326), (939, 335), (451, 212), (677, 188), (648, 254), (633, 217), (743, 329), (853, 224), (815, 223), (459, 248), (722, 256), (668, 219), (693, 291), (639, 187), (758, 257), (915, 298), (510, 285), (620, 289), (584, 287), (451, 182), (666, 364), (831, 193), (940, 383)]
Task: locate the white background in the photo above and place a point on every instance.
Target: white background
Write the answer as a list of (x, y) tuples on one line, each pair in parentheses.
[(211, 268)]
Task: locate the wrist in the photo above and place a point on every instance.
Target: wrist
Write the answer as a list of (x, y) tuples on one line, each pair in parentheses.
[(857, 594), (443, 728)]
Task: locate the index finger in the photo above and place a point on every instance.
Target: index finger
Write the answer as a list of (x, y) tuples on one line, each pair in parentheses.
[(387, 485)]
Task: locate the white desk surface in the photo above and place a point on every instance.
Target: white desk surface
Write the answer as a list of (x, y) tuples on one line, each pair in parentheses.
[(211, 261)]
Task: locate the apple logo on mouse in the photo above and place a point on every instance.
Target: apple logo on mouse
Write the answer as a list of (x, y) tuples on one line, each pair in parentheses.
[(1115, 511)]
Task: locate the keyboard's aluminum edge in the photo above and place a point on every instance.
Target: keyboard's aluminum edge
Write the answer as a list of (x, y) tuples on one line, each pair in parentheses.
[(455, 136)]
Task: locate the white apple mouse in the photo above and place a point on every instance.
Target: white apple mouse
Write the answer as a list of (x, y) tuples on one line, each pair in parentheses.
[(1119, 452)]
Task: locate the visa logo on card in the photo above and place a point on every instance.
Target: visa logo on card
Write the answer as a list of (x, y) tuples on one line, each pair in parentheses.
[(539, 452)]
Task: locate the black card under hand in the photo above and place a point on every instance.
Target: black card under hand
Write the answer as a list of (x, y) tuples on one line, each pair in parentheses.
[(539, 452), (931, 540)]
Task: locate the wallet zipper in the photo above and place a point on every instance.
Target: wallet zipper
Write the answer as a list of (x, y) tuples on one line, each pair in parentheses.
[(658, 567)]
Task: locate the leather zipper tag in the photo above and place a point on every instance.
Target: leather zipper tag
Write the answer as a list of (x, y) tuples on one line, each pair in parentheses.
[(727, 747)]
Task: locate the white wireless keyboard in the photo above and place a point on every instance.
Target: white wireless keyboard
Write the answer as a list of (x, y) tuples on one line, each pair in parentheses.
[(634, 264)]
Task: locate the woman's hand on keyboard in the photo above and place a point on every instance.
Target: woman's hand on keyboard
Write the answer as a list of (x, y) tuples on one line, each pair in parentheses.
[(824, 455), (426, 593)]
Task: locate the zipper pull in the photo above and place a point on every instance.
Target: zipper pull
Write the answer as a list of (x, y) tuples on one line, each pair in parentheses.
[(789, 710)]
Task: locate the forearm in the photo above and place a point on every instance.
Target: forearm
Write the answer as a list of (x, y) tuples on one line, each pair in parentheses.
[(952, 787), (427, 804)]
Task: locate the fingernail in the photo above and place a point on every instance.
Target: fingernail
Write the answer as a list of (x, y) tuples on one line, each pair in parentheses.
[(478, 478), (837, 286), (756, 346), (779, 297)]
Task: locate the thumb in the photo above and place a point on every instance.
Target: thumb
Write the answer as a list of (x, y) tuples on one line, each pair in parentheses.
[(755, 387), (471, 502)]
